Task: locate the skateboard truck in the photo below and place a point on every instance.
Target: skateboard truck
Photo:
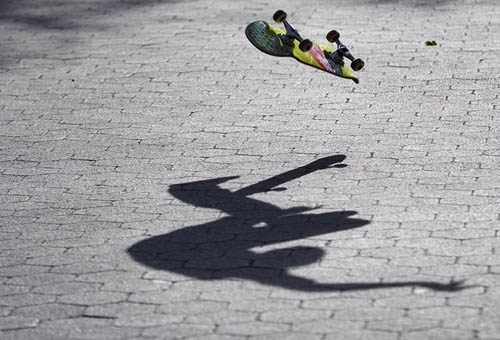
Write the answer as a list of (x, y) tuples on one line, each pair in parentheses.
[(291, 33), (342, 51)]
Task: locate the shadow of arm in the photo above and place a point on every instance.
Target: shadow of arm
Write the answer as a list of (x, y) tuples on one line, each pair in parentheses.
[(303, 284)]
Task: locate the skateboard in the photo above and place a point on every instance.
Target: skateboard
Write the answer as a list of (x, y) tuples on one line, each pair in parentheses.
[(288, 43)]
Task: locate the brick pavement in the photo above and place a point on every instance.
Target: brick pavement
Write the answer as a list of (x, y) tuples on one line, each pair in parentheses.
[(118, 120)]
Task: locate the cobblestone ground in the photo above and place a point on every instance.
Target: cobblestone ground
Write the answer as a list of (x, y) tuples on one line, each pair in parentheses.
[(160, 178)]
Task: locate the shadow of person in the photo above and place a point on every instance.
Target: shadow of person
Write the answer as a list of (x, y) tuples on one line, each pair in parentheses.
[(226, 248)]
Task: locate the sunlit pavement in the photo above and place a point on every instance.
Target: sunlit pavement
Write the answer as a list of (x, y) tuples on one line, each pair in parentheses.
[(161, 178)]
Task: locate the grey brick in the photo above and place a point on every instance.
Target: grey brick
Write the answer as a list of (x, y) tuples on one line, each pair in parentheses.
[(26, 299), (17, 322), (364, 334), (227, 317), (92, 298), (327, 326), (50, 311), (441, 334), (174, 331), (253, 328), (105, 105), (147, 320)]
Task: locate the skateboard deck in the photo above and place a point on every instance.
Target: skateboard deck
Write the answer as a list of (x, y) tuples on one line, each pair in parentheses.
[(267, 38)]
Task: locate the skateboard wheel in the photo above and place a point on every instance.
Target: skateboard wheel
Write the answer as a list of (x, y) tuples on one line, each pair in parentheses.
[(357, 64), (279, 16), (305, 45), (332, 36)]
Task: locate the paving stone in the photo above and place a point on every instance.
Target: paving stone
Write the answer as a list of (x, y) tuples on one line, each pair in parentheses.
[(441, 334), (115, 310), (101, 119), (228, 317), (13, 290), (288, 336), (263, 304), (219, 336), (66, 288), (253, 328), (36, 333), (192, 307), (26, 299), (105, 332), (92, 298), (17, 322), (4, 311), (294, 315), (326, 326), (173, 331), (135, 286), (445, 312), (157, 297), (50, 311), (147, 320), (39, 279), (365, 334), (373, 313), (406, 325)]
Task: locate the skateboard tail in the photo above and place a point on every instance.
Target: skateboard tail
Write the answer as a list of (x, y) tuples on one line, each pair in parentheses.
[(348, 73), (265, 38)]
